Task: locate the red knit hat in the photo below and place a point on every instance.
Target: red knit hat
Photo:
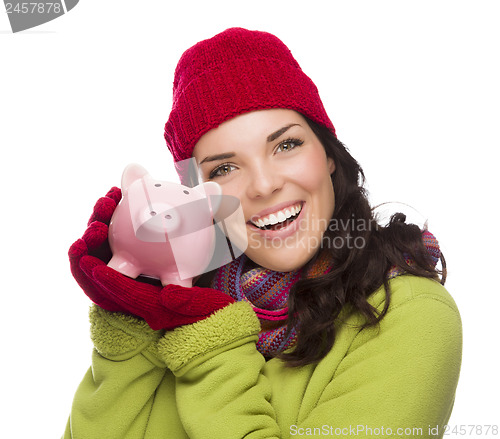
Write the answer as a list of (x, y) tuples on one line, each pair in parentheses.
[(235, 72)]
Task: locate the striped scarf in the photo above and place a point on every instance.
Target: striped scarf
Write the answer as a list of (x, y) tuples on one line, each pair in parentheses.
[(267, 291)]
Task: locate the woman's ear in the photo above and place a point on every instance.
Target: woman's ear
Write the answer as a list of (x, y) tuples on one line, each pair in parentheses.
[(331, 165)]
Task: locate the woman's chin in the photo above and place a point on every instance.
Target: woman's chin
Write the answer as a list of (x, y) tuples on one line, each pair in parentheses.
[(283, 259)]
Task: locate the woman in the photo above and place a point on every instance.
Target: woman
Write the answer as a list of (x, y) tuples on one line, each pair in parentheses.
[(328, 325)]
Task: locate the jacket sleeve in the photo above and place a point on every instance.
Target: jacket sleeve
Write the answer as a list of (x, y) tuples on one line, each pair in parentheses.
[(221, 391), (397, 379), (115, 397)]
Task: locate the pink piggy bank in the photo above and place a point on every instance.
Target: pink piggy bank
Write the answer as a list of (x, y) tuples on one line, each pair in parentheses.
[(162, 229)]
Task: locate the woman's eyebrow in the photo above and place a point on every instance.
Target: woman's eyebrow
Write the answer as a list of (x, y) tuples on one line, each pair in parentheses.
[(280, 132), (228, 155), (213, 158)]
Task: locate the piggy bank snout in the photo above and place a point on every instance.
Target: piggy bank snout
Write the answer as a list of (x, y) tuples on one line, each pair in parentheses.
[(169, 216), (157, 222)]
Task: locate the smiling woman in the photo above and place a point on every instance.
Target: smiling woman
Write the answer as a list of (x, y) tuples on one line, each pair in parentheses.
[(270, 173), (327, 319)]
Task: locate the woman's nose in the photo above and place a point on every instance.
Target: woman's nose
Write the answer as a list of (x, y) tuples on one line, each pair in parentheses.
[(264, 181)]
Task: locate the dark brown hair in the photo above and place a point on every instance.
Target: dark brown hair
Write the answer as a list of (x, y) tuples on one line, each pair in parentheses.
[(358, 270)]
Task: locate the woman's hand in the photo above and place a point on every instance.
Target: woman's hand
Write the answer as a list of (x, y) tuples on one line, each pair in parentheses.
[(92, 249), (162, 307)]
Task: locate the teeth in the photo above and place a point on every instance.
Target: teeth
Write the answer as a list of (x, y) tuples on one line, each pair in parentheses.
[(278, 217)]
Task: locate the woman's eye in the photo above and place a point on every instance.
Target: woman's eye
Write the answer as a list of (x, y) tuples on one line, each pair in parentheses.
[(221, 171), (289, 144)]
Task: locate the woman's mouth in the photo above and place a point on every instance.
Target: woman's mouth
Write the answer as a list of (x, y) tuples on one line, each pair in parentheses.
[(279, 219)]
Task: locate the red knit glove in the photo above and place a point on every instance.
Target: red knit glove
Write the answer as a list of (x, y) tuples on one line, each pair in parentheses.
[(162, 308), (93, 249)]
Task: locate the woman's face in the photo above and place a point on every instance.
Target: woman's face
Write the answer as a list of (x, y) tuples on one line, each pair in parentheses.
[(273, 162)]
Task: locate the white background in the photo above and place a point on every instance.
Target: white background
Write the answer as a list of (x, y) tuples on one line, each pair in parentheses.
[(412, 88)]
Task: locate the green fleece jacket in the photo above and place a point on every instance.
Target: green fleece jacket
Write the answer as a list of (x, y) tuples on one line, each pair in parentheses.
[(207, 380)]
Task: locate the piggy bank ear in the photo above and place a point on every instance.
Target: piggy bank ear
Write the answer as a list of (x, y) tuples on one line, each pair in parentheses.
[(132, 173), (214, 194)]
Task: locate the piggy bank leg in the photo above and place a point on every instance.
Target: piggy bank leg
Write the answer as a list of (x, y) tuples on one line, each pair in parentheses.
[(169, 279), (124, 266)]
